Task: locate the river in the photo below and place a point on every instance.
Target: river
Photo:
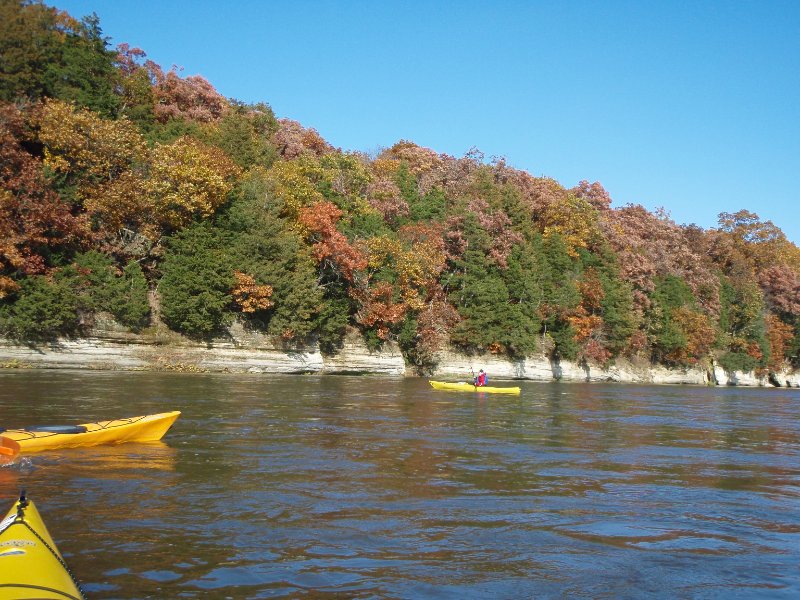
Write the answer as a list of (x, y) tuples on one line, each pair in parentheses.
[(366, 487)]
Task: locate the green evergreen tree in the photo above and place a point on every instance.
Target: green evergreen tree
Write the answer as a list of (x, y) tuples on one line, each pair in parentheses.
[(742, 325), (171, 130), (244, 134), (492, 319), (196, 282), (43, 310), (559, 273), (265, 247), (431, 207), (407, 183), (86, 72), (523, 280), (667, 337), (333, 318), (130, 305), (45, 55), (619, 320), (105, 289), (98, 270)]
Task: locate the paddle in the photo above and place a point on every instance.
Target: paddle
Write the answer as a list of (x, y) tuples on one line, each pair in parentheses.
[(8, 447)]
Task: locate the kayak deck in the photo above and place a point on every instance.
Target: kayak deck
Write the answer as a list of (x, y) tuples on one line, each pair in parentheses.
[(459, 386), (147, 428), (30, 564)]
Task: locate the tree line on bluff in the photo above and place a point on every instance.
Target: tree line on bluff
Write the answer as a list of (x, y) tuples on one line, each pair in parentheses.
[(118, 178)]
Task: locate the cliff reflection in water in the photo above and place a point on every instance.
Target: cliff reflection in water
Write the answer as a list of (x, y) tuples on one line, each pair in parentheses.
[(384, 488)]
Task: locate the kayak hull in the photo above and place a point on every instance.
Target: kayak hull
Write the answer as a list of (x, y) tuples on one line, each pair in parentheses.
[(30, 564), (468, 387), (147, 428)]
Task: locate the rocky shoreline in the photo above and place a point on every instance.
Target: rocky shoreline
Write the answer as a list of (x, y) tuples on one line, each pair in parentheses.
[(112, 348)]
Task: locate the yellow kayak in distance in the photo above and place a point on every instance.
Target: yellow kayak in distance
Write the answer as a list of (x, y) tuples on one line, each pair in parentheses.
[(30, 564), (460, 386), (147, 428)]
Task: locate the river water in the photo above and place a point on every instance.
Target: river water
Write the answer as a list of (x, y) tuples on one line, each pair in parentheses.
[(355, 487)]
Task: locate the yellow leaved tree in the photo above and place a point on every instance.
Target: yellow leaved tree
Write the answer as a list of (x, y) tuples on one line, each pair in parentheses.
[(186, 179), (82, 145), (179, 182)]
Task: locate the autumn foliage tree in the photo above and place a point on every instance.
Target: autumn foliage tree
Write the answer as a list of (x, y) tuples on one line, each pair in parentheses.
[(248, 295), (332, 250), (35, 223), (177, 183), (191, 98), (292, 140), (85, 148)]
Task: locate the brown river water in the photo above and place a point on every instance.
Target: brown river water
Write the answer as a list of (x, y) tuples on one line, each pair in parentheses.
[(366, 487)]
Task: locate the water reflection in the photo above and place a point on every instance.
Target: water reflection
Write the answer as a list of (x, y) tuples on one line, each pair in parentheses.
[(354, 487)]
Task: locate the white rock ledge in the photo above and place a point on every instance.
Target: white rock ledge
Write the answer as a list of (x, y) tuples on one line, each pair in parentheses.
[(247, 352)]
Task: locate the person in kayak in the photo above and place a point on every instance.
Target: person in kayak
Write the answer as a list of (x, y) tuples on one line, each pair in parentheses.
[(480, 380)]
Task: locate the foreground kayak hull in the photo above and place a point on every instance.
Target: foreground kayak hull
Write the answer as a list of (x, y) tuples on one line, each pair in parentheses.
[(468, 387), (148, 428), (30, 564)]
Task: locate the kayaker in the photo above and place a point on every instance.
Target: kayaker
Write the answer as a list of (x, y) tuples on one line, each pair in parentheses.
[(480, 380)]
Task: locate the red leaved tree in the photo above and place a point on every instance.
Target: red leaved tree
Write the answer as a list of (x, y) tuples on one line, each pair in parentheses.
[(650, 245), (33, 218), (781, 286), (192, 98), (330, 247), (293, 140)]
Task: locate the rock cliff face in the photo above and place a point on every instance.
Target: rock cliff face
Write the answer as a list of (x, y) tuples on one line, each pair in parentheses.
[(542, 368), (112, 348)]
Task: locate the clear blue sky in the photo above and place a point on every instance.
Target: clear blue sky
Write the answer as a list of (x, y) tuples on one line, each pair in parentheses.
[(688, 105)]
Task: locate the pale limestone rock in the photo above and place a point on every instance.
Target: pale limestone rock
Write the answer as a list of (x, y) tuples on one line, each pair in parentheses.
[(625, 372), (114, 348), (685, 376), (356, 357), (788, 379), (749, 379), (537, 368), (721, 376), (569, 371), (738, 378), (257, 361), (93, 353), (462, 367), (73, 354), (785, 378)]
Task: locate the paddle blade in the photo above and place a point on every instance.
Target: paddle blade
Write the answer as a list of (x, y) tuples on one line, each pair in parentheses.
[(8, 448)]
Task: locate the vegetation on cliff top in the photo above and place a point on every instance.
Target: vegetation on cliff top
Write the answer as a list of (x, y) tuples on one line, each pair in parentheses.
[(118, 178)]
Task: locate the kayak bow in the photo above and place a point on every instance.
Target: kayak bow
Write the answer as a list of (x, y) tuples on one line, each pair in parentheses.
[(30, 564), (468, 387), (148, 428)]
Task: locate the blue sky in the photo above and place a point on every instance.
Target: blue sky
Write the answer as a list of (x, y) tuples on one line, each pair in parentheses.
[(688, 105)]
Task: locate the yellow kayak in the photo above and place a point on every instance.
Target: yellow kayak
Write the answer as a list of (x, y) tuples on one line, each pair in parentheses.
[(468, 387), (148, 428), (30, 564)]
